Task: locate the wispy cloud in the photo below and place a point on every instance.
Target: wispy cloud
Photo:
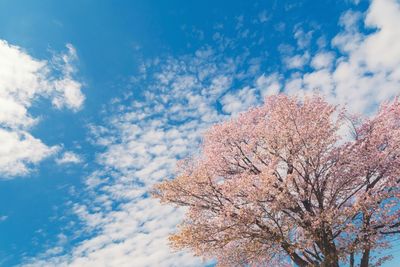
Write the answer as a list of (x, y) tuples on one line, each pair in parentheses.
[(366, 72), (69, 157), (235, 102), (24, 79)]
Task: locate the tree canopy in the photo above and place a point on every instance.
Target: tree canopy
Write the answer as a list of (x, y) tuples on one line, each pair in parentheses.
[(296, 179)]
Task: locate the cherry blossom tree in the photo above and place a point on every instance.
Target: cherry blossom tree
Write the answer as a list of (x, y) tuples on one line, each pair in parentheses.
[(294, 180)]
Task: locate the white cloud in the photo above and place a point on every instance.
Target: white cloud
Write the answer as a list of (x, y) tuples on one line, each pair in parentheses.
[(69, 157), (349, 39), (241, 100), (369, 72), (23, 79), (366, 71), (296, 61), (303, 38), (67, 91), (382, 50), (294, 86), (268, 85), (320, 80), (19, 150), (322, 60)]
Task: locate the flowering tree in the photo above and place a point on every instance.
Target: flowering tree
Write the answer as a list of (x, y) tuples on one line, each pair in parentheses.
[(283, 181)]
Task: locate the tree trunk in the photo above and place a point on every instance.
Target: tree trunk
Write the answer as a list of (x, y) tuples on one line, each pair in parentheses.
[(331, 260), (352, 259), (329, 250), (365, 258)]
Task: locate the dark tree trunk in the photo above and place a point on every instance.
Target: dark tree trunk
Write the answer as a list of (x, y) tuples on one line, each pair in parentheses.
[(352, 259), (329, 250), (365, 258), (331, 260)]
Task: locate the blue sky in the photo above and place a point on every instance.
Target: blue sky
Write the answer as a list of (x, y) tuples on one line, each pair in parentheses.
[(109, 95)]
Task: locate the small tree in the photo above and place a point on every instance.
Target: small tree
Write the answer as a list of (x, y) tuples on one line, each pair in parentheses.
[(282, 181)]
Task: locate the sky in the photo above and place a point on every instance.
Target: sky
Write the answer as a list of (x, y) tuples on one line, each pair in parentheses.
[(100, 99)]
